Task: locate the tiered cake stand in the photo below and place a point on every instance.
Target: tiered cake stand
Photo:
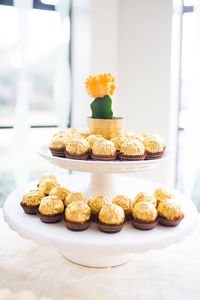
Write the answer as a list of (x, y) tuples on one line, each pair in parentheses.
[(92, 247)]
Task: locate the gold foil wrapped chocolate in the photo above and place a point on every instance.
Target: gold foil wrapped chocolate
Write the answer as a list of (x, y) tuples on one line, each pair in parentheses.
[(57, 142), (124, 202), (77, 146), (60, 192), (169, 209), (51, 205), (103, 148), (45, 186), (32, 198), (97, 202), (118, 140), (91, 139), (111, 214), (162, 194), (132, 148), (47, 176), (77, 212), (73, 196), (144, 211), (153, 144), (145, 197)]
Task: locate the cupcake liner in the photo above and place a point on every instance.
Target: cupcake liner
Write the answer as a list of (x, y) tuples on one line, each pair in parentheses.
[(77, 226), (129, 157), (109, 228), (30, 209), (170, 223), (156, 155), (77, 157), (57, 152), (102, 157), (144, 226), (50, 219)]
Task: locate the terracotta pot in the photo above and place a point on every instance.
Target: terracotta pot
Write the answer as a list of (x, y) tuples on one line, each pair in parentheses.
[(106, 127)]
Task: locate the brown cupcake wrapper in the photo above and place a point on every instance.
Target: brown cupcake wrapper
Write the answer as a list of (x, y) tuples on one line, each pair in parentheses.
[(129, 157), (105, 158), (77, 157), (77, 226), (57, 152), (50, 219), (156, 155), (30, 209), (144, 226), (170, 223), (109, 228)]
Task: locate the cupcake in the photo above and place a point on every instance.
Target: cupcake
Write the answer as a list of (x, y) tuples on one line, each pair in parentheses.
[(154, 147), (132, 150), (57, 146), (31, 201), (111, 218), (125, 203), (145, 197), (96, 203), (77, 216), (91, 139), (77, 148), (118, 140), (170, 213), (60, 192), (45, 186), (144, 216), (162, 194), (103, 150), (73, 196), (51, 209)]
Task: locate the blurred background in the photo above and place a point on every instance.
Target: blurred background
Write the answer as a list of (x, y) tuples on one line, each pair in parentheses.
[(49, 47)]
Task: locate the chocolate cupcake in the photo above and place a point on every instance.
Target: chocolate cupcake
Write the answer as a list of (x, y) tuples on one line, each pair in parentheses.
[(118, 140), (170, 213), (111, 218), (73, 196), (125, 203), (77, 148), (31, 201), (145, 197), (162, 194), (60, 192), (96, 203), (144, 216), (132, 150), (154, 147), (45, 186), (57, 146), (77, 216), (51, 209), (103, 150)]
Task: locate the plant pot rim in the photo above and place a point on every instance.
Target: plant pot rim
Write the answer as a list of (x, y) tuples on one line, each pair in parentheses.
[(114, 118)]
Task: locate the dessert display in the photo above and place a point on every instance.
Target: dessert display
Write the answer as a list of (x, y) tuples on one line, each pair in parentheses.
[(170, 213), (125, 203), (144, 216), (51, 209), (111, 218), (77, 216), (31, 201), (96, 203)]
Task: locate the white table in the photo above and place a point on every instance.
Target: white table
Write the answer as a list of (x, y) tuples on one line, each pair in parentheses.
[(171, 273)]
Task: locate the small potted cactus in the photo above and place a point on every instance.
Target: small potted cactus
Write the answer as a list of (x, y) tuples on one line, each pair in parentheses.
[(100, 88)]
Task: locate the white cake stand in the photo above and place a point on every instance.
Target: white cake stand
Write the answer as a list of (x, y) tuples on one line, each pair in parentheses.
[(92, 247)]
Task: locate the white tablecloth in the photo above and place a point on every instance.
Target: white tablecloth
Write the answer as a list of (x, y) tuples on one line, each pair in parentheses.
[(172, 273)]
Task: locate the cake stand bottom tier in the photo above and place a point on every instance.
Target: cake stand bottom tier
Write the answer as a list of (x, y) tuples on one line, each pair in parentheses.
[(92, 247)]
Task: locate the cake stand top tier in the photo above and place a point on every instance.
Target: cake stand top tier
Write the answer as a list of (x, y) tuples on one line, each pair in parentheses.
[(99, 166)]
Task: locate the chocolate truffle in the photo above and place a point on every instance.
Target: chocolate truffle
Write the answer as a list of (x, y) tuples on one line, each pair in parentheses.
[(45, 186), (60, 192), (72, 132), (170, 213), (31, 201), (162, 194), (57, 146), (144, 216), (73, 196), (77, 148), (145, 197), (51, 209), (47, 176), (125, 203), (118, 140), (132, 150), (103, 150), (111, 218), (96, 203), (91, 139), (77, 216), (154, 147)]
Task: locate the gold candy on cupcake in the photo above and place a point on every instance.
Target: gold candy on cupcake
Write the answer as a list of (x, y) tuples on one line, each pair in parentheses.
[(77, 216), (73, 196), (145, 197), (162, 194), (60, 192), (96, 203), (77, 148), (103, 150), (31, 201), (45, 186), (111, 218), (154, 147), (170, 213), (125, 203), (132, 150), (144, 215), (51, 209)]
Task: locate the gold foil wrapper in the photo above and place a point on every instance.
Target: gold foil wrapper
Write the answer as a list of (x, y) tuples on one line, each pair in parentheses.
[(123, 201), (144, 211), (51, 205), (47, 176), (132, 148), (118, 140), (91, 139), (77, 212), (77, 146), (32, 197), (57, 142), (153, 144), (169, 209), (97, 202), (60, 192), (162, 194), (145, 197), (111, 214), (47, 185), (104, 148), (73, 196)]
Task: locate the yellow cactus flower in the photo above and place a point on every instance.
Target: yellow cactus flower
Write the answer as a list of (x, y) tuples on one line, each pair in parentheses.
[(100, 85)]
